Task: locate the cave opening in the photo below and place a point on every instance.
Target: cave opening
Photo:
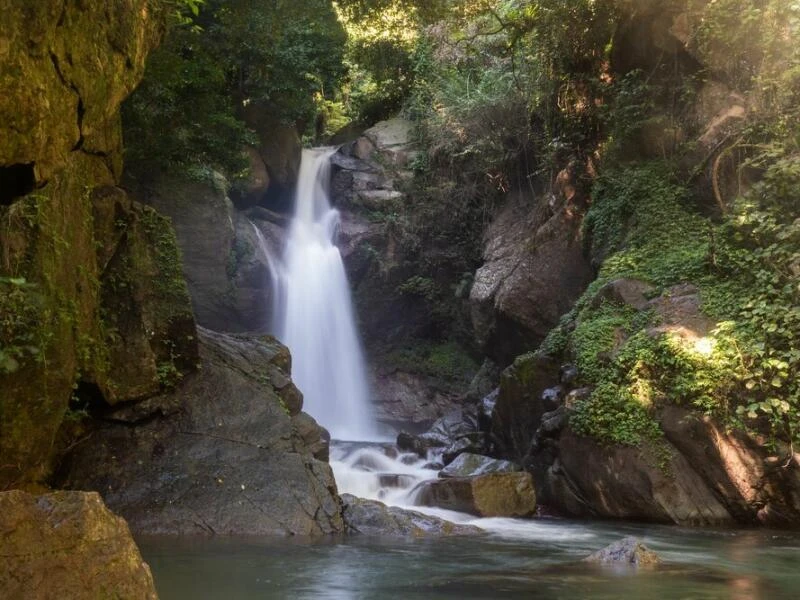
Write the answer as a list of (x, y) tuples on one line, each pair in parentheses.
[(16, 181)]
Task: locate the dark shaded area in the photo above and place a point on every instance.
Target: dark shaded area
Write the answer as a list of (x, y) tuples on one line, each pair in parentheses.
[(88, 397), (16, 181)]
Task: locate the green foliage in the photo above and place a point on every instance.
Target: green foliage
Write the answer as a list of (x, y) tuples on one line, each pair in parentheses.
[(19, 313), (285, 57), (424, 287), (747, 269), (615, 415), (447, 362), (641, 220)]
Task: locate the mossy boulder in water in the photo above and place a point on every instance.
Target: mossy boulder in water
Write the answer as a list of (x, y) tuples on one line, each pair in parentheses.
[(491, 495), (68, 545)]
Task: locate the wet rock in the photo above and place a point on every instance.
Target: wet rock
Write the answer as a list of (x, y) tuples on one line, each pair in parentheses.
[(473, 442), (68, 545), (370, 517), (568, 374), (226, 271), (627, 551), (486, 409), (492, 495), (470, 465), (551, 397), (459, 422), (317, 439), (233, 460), (403, 397), (421, 444), (519, 406)]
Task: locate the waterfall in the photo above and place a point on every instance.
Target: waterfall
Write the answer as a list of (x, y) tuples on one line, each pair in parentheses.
[(313, 314)]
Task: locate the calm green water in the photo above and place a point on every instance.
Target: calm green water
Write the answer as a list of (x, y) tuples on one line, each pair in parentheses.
[(520, 559)]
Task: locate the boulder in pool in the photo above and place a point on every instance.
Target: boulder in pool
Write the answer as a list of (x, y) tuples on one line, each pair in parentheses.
[(468, 464), (627, 551), (68, 545), (490, 495), (370, 517)]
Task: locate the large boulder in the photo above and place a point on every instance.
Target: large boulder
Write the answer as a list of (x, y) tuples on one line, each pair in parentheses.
[(534, 270), (66, 69), (370, 517), (228, 255), (275, 158), (699, 473), (68, 545), (491, 495), (229, 452), (520, 403)]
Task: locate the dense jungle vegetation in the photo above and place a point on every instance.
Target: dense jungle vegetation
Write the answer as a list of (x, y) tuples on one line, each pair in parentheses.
[(505, 94)]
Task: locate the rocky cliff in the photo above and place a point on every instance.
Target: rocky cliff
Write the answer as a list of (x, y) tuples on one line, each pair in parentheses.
[(99, 351), (95, 310)]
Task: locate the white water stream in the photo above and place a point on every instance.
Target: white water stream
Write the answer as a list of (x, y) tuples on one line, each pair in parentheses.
[(313, 316), (313, 312)]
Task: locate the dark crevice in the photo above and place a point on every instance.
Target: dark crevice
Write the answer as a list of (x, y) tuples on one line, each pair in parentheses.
[(81, 111), (16, 181), (88, 397), (81, 108)]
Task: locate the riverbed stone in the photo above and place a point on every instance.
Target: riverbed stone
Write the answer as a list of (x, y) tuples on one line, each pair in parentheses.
[(468, 464), (68, 545), (627, 551), (371, 517), (491, 495)]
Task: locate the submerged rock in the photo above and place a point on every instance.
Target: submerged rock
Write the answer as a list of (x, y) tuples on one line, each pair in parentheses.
[(371, 517), (470, 465), (491, 495), (68, 545), (236, 459), (627, 551)]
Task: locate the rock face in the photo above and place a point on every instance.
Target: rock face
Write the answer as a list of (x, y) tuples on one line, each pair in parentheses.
[(492, 495), (226, 270), (627, 551), (68, 545), (534, 269), (91, 296), (370, 517), (370, 187), (229, 452), (700, 473), (275, 161)]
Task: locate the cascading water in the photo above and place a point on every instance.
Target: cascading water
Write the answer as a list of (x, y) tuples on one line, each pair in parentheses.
[(313, 312)]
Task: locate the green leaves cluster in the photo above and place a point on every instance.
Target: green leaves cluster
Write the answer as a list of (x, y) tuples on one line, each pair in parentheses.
[(279, 56), (20, 338)]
